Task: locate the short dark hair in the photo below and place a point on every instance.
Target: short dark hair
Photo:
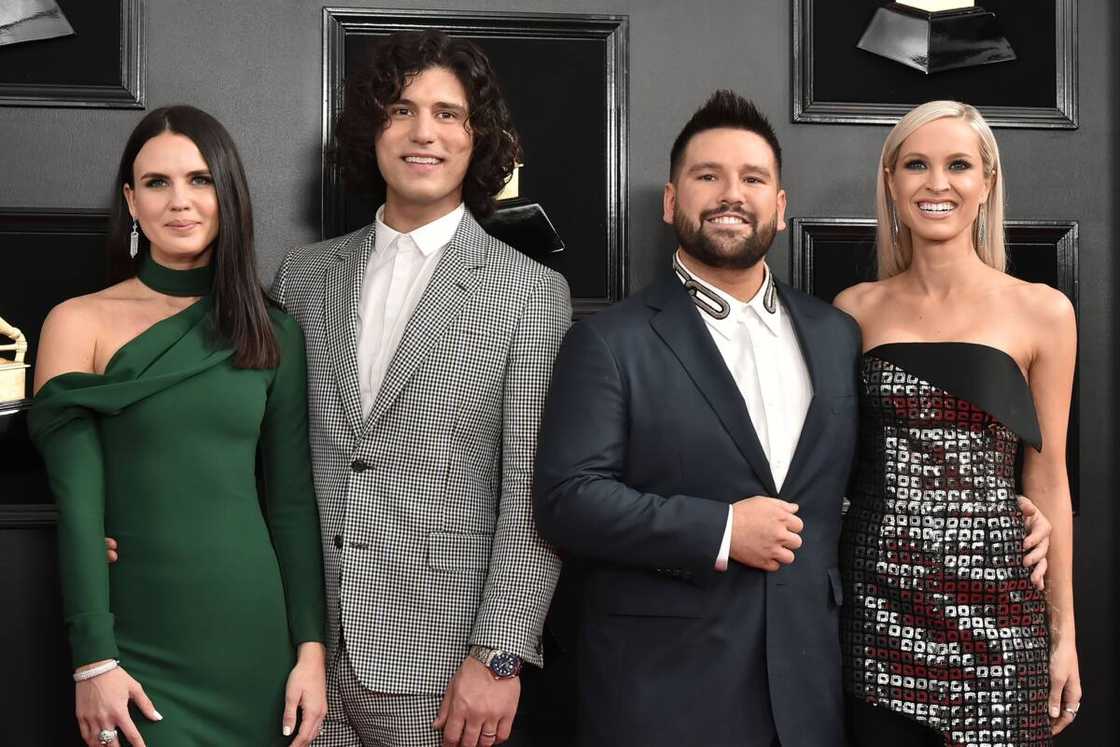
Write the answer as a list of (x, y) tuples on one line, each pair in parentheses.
[(240, 315), (725, 108), (375, 85)]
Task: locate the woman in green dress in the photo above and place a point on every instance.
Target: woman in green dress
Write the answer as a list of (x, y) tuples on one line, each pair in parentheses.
[(160, 401)]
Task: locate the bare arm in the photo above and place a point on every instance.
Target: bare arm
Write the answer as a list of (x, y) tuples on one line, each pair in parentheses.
[(1046, 482)]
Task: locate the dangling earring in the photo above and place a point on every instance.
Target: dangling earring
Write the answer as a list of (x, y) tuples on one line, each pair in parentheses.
[(982, 229), (894, 225), (133, 241)]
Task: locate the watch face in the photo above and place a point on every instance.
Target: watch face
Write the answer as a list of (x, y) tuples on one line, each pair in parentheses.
[(505, 665)]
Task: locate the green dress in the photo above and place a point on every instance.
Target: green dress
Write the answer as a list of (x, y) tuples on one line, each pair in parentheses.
[(214, 587)]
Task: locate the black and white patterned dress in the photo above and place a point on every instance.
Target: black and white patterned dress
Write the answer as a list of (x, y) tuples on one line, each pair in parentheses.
[(941, 622)]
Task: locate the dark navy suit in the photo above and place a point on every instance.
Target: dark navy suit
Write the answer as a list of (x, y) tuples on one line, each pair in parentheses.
[(644, 442)]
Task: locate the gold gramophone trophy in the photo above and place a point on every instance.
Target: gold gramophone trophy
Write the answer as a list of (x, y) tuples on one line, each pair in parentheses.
[(13, 371)]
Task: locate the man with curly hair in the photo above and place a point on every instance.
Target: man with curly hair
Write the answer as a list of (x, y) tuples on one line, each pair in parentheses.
[(429, 345)]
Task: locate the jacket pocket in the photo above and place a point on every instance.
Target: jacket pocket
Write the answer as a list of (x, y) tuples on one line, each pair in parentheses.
[(459, 552)]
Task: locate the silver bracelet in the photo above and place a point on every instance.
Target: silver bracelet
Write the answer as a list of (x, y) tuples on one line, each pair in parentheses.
[(100, 669)]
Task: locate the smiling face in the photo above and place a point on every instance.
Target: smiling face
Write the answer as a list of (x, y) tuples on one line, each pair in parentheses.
[(425, 149), (173, 198), (725, 202), (938, 181)]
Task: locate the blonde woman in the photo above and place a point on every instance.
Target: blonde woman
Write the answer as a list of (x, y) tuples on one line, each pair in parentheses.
[(946, 640)]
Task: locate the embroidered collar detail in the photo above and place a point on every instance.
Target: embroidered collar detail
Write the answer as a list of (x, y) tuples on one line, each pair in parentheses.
[(712, 303)]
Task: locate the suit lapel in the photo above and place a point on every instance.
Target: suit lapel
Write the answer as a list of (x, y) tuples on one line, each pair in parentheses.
[(452, 283), (342, 293), (814, 342), (679, 325)]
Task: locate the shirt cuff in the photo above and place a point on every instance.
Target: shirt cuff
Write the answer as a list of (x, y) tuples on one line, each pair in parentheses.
[(725, 545)]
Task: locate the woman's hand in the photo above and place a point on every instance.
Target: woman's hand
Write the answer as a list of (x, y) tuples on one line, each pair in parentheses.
[(1037, 542), (1065, 683), (102, 703), (307, 691)]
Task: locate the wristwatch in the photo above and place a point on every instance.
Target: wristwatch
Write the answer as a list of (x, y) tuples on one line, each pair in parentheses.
[(502, 664)]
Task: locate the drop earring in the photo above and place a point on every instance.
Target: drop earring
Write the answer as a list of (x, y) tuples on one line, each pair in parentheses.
[(894, 225), (134, 240), (982, 229)]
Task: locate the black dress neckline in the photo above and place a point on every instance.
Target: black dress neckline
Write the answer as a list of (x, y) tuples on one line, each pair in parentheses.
[(984, 375)]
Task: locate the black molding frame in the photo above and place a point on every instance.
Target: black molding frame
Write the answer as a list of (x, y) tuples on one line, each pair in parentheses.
[(1062, 236), (338, 22), (129, 94), (806, 107), (803, 231), (30, 515), (62, 221)]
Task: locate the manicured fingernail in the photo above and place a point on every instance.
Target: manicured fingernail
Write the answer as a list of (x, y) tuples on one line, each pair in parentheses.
[(287, 731), (159, 716), (1054, 712)]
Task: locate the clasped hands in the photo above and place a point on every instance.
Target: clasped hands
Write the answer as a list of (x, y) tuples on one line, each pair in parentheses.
[(766, 531)]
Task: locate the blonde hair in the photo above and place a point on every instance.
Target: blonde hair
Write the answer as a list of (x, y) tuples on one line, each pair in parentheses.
[(896, 253)]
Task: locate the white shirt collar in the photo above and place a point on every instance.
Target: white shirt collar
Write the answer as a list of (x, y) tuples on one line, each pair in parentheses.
[(428, 238), (726, 326)]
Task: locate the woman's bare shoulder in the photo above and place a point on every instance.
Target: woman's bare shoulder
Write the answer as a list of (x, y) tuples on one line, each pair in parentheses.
[(1042, 306), (861, 297), (70, 333), (86, 310)]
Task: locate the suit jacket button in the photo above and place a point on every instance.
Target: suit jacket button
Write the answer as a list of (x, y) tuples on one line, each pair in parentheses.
[(338, 541), (358, 465)]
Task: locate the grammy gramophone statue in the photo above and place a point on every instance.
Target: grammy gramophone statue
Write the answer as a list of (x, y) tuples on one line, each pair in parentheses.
[(13, 371), (523, 224), (936, 35)]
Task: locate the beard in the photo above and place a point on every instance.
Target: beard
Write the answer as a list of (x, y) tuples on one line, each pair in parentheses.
[(724, 251)]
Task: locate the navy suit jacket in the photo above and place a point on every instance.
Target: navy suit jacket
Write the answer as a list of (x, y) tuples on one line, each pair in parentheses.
[(644, 442)]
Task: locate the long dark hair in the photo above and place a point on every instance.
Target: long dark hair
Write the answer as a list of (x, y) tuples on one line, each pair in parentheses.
[(377, 83), (240, 317)]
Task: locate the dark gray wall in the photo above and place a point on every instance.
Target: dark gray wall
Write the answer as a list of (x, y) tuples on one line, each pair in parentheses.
[(256, 65)]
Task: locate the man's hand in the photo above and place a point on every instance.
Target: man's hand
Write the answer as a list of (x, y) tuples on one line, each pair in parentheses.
[(477, 709), (764, 532), (111, 549), (1037, 542)]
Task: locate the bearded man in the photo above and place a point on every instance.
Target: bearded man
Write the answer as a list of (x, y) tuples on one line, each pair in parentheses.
[(693, 454)]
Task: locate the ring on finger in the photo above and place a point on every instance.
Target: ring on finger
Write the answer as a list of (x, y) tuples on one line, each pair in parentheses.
[(488, 734), (106, 736)]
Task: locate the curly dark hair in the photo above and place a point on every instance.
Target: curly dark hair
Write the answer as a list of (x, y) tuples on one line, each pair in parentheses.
[(377, 83)]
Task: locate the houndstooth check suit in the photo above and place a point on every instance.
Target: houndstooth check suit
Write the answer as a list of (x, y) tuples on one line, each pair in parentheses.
[(428, 536)]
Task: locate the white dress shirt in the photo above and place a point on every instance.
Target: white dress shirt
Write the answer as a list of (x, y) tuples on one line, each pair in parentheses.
[(396, 276), (764, 357)]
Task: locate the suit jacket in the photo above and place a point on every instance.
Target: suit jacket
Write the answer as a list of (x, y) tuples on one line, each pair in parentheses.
[(425, 503), (644, 442)]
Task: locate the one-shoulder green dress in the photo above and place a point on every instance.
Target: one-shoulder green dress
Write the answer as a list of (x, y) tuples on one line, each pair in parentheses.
[(214, 587)]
